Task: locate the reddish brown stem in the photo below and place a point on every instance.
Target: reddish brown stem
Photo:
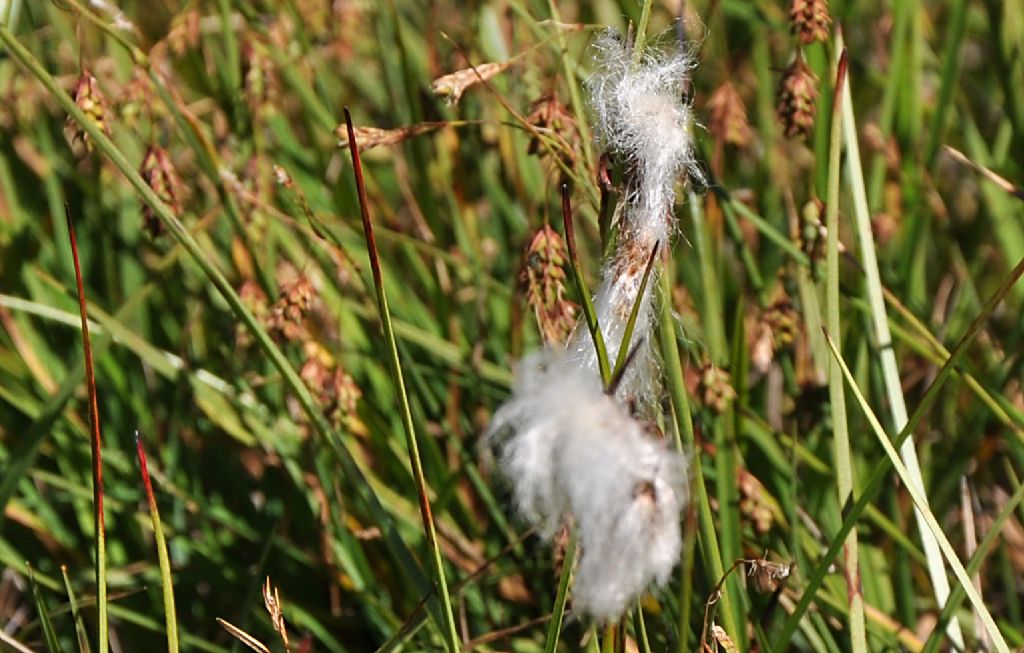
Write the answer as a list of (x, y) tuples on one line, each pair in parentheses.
[(144, 466), (364, 211), (570, 232), (97, 449), (840, 82), (90, 381)]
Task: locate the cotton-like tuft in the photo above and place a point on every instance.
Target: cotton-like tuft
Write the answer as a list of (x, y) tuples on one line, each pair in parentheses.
[(640, 115), (613, 303), (626, 490), (524, 433), (567, 448)]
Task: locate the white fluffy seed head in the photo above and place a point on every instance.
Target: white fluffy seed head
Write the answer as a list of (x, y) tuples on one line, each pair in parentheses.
[(627, 492), (567, 448), (641, 116), (524, 433)]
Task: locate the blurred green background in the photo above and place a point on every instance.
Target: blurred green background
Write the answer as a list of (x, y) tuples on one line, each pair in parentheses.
[(229, 111)]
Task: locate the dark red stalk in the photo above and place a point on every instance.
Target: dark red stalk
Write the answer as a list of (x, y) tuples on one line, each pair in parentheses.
[(96, 441), (90, 382), (144, 466), (364, 211), (840, 82)]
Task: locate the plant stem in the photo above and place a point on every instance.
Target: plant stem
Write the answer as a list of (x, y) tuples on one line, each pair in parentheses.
[(852, 515), (451, 632), (922, 505), (886, 354), (564, 579), (166, 581), (574, 87), (681, 407), (100, 534), (349, 468), (837, 397), (641, 31)]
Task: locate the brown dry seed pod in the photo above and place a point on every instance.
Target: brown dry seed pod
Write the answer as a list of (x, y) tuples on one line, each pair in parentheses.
[(796, 103), (810, 20)]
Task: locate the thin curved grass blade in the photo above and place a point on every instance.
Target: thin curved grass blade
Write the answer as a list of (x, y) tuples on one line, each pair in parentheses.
[(627, 335), (49, 633), (166, 580), (449, 630), (581, 287), (921, 502), (564, 581), (97, 452), (83, 637), (874, 484)]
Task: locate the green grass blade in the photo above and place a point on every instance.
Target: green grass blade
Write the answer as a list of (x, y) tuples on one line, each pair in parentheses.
[(721, 426), (921, 502), (994, 533), (837, 398), (641, 31), (450, 631), (573, 85), (21, 459), (886, 354), (166, 580), (640, 629), (853, 514), (564, 580), (49, 633), (688, 444), (581, 287), (951, 60), (349, 468), (627, 335), (83, 637)]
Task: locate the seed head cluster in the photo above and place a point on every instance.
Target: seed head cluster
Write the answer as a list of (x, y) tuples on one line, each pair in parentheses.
[(642, 121), (542, 281), (569, 448), (810, 20), (797, 98)]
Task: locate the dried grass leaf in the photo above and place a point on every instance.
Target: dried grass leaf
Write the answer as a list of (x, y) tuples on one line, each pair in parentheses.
[(243, 636), (453, 85), (370, 137)]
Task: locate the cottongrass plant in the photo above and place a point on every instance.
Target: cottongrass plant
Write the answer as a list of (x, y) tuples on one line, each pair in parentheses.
[(641, 119), (570, 447)]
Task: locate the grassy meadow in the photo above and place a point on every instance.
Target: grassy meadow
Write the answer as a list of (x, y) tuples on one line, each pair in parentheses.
[(840, 328)]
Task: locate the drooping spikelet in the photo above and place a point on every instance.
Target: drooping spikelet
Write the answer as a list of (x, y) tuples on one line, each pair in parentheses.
[(810, 20), (94, 105), (728, 117), (542, 282), (796, 103), (159, 172)]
